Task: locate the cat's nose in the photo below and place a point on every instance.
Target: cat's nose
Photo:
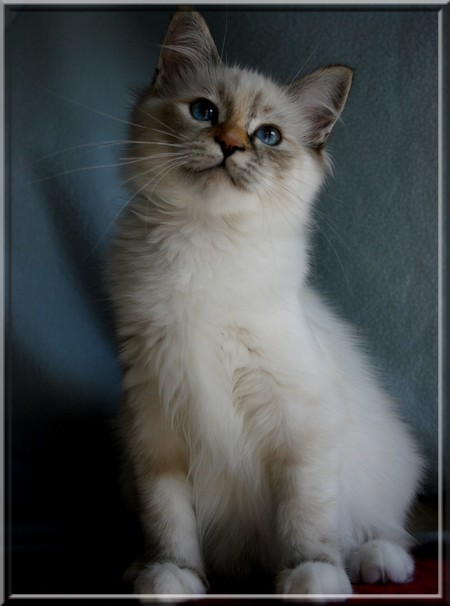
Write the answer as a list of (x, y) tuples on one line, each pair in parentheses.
[(231, 139)]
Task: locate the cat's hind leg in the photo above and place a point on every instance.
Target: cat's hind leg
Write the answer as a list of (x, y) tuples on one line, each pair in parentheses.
[(380, 561)]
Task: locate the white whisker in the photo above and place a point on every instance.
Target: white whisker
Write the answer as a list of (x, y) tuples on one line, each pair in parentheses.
[(177, 136), (82, 105), (127, 204), (79, 170), (152, 117), (169, 154), (291, 79)]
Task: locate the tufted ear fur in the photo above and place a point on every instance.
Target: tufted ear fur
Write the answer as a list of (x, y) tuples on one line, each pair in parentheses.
[(188, 44), (322, 96)]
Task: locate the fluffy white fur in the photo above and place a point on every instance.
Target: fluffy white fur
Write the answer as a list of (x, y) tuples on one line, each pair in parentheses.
[(255, 428)]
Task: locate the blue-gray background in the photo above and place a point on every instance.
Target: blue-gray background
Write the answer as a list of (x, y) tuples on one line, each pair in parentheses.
[(69, 81)]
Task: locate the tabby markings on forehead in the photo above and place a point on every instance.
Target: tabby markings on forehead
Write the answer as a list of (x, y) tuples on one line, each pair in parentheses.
[(226, 101), (257, 107), (246, 109)]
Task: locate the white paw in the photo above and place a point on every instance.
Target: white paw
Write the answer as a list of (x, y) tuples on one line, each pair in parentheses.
[(380, 561), (168, 578), (314, 578)]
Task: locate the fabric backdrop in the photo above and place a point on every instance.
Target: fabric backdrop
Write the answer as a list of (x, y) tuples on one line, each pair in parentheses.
[(70, 77)]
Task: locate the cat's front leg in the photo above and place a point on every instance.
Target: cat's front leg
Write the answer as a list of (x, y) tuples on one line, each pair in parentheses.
[(173, 563), (307, 528)]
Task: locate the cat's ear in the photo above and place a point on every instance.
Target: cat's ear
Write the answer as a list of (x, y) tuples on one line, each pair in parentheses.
[(188, 45), (322, 96)]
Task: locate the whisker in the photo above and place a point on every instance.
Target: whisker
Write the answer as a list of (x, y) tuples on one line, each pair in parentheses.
[(95, 144), (224, 35), (155, 180), (169, 154), (338, 257), (152, 117), (169, 166), (177, 136), (328, 223), (156, 168), (182, 145), (79, 104), (79, 170), (278, 203), (305, 63), (123, 206), (123, 162), (105, 232)]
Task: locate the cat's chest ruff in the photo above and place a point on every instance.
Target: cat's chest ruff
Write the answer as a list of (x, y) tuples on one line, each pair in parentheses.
[(204, 272)]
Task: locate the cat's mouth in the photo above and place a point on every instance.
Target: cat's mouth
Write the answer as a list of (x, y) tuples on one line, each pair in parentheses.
[(221, 171), (222, 165)]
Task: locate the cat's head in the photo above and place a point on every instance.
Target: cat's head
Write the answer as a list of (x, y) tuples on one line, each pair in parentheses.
[(224, 139)]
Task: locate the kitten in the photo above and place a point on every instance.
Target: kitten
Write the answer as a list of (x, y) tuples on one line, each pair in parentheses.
[(255, 429)]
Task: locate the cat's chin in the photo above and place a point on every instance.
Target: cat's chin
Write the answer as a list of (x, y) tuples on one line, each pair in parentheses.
[(220, 175)]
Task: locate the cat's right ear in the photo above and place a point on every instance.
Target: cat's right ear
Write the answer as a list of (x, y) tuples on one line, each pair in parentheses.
[(188, 45)]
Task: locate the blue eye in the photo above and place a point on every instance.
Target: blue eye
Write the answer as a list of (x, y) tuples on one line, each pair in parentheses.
[(204, 111), (269, 135)]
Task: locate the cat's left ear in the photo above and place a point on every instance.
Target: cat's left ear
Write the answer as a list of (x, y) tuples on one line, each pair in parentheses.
[(187, 45), (322, 96)]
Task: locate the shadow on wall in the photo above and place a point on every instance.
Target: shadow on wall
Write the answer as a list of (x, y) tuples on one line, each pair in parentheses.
[(71, 530)]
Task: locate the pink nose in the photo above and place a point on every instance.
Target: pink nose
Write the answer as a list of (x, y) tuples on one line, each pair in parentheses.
[(232, 138)]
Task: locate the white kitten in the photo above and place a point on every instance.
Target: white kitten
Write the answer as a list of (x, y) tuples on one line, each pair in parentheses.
[(255, 428)]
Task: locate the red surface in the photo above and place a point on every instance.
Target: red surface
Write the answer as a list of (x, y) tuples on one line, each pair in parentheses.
[(424, 589), (426, 582)]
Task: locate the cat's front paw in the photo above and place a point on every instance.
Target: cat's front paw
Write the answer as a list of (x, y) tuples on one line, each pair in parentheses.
[(168, 578), (380, 561), (314, 578)]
